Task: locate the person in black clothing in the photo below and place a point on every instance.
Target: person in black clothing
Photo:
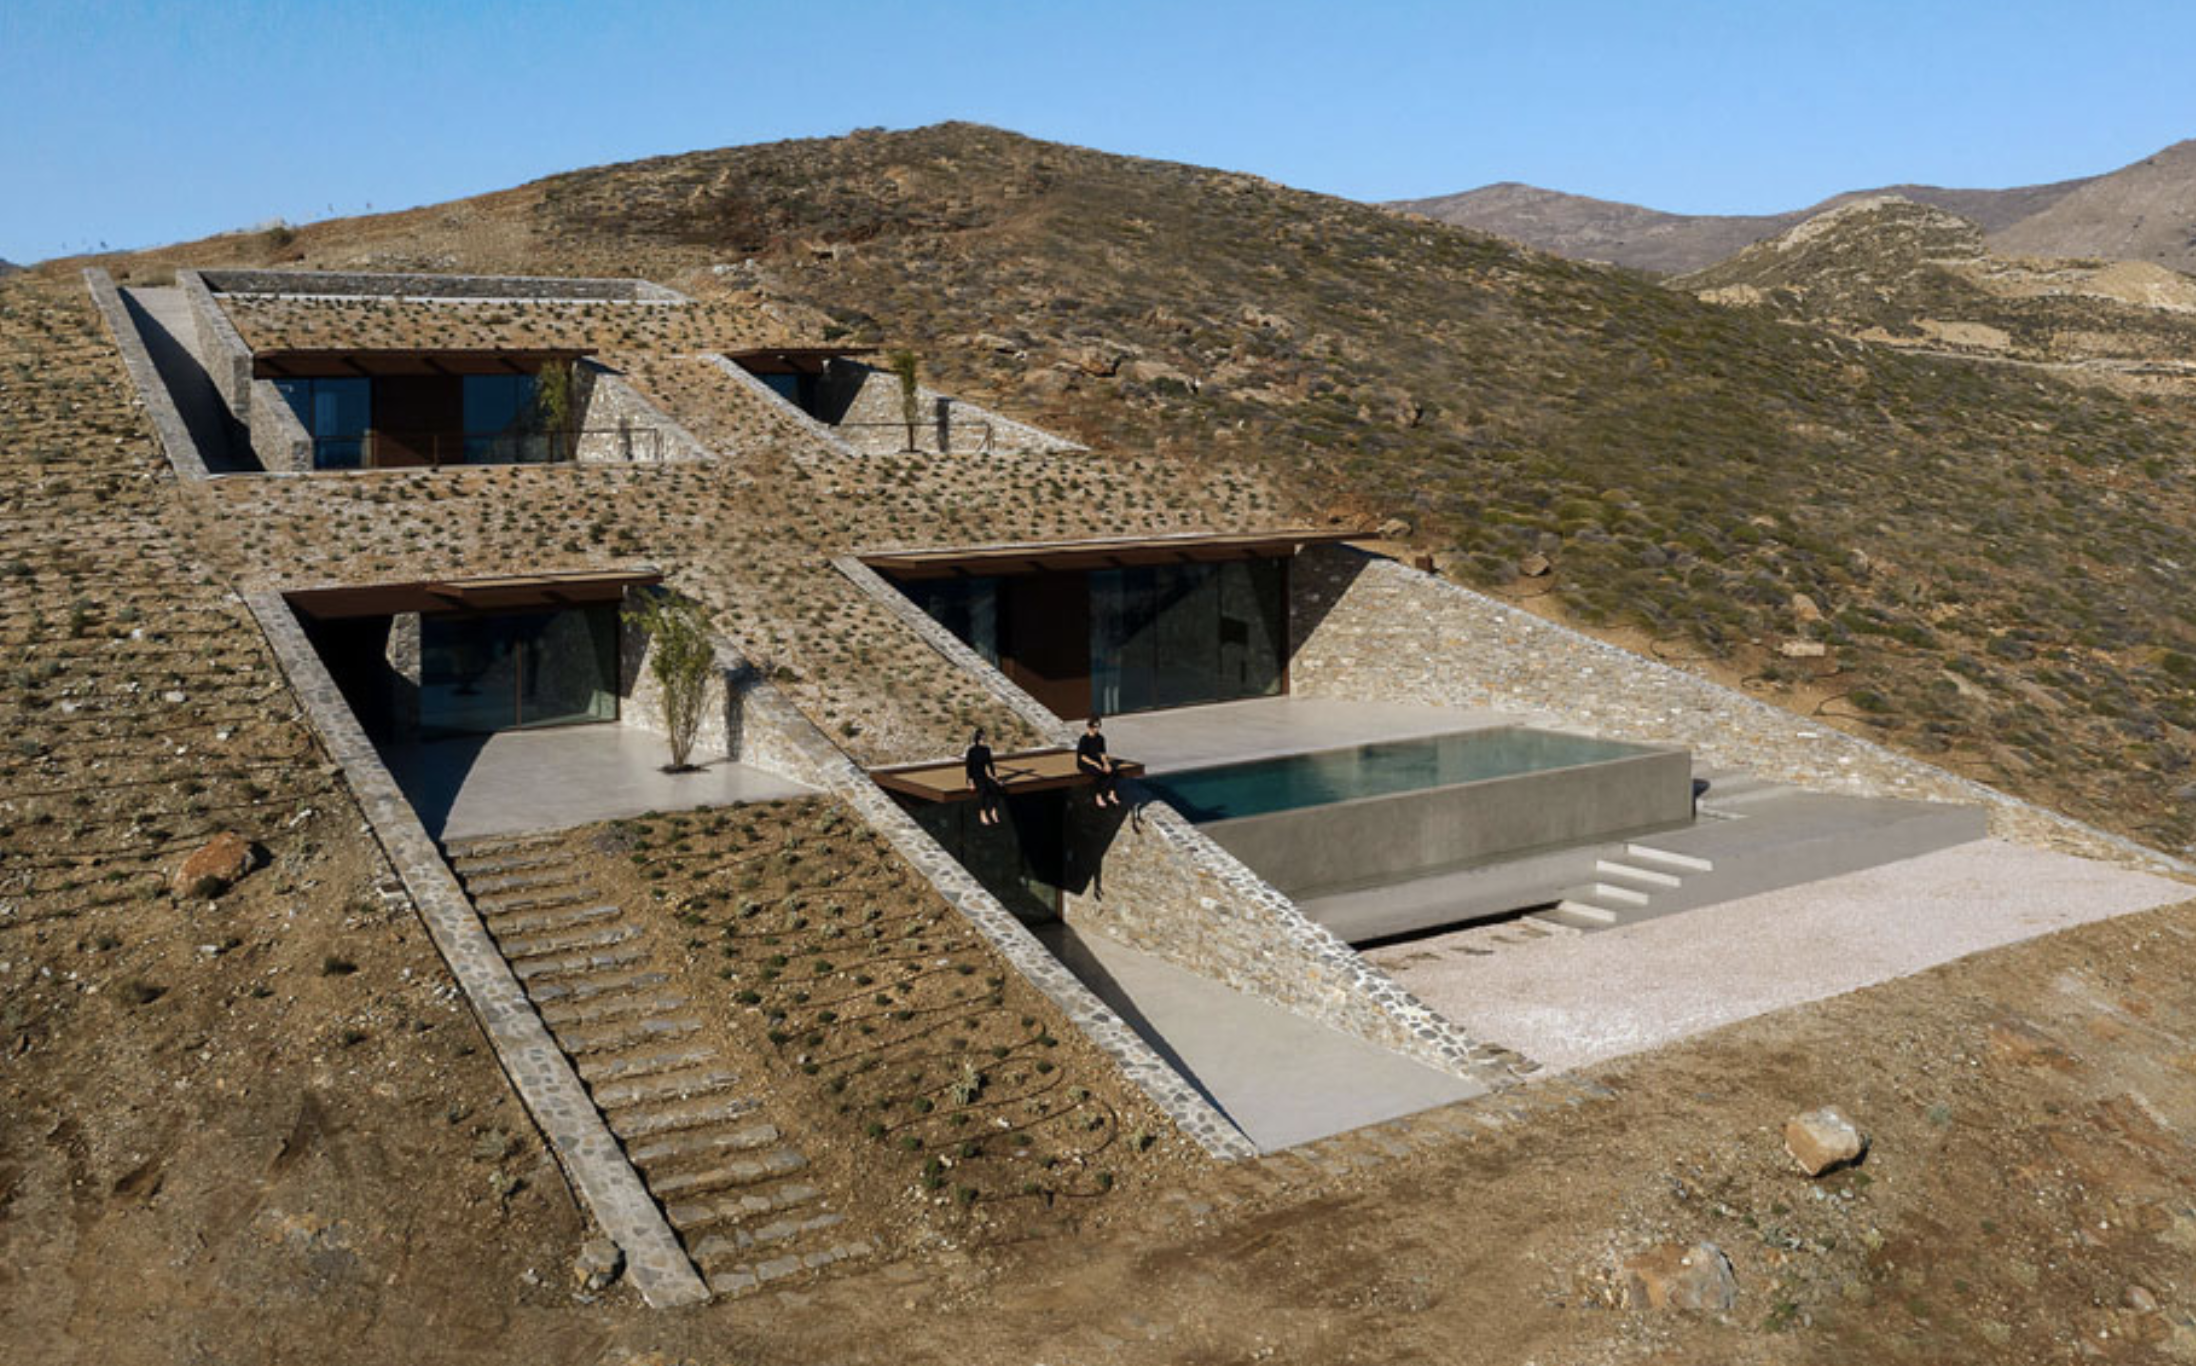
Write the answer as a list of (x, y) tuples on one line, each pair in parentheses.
[(1091, 758), (983, 776)]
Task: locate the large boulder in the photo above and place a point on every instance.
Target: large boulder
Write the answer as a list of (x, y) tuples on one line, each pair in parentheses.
[(213, 868), (1696, 1279), (1823, 1140)]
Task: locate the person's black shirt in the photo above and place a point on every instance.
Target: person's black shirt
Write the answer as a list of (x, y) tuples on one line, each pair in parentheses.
[(978, 762), (1090, 752)]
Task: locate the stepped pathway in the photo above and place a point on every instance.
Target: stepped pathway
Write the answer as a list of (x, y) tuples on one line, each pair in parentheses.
[(729, 1183)]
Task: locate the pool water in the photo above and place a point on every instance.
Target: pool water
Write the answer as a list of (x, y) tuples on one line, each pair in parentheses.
[(1259, 786)]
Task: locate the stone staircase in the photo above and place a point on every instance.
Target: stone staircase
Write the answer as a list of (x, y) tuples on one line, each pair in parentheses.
[(727, 1180)]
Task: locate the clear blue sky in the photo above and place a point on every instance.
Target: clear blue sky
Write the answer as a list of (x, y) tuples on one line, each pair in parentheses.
[(135, 122)]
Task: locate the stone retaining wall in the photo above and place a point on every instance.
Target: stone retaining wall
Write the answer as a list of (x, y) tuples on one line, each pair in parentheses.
[(183, 454), (1368, 628), (219, 345), (618, 426), (279, 440), (872, 422)]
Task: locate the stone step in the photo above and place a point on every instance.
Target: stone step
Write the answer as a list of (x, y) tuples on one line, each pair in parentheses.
[(563, 875), (614, 1035), (488, 865), (733, 1171), (606, 1067), (710, 1141), (1574, 915), (663, 1086), (1636, 875), (750, 1202), (607, 983), (609, 1006), (1607, 893), (744, 1277), (555, 918), (737, 1244), (597, 936), (480, 846), (491, 907), (594, 960), (1669, 858), (647, 1121)]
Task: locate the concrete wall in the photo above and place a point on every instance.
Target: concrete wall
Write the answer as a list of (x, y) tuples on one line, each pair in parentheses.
[(1399, 835), (391, 286)]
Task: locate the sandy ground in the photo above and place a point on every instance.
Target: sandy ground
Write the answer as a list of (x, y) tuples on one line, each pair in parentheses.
[(1576, 999)]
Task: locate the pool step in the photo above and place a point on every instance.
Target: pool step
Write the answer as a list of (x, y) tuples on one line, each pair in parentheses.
[(1635, 875), (1669, 858)]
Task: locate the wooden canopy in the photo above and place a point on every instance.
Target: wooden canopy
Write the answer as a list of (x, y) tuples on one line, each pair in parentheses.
[(1029, 770), (354, 363), (511, 592), (792, 360), (1097, 554)]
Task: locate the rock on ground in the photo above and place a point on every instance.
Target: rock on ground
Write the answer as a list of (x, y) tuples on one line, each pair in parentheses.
[(1697, 1279), (216, 866), (1822, 1140)]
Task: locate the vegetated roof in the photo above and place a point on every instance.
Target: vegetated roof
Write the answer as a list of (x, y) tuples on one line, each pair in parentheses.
[(290, 323)]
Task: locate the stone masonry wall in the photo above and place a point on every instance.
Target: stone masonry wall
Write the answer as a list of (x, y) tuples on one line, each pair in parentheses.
[(872, 423), (220, 348), (618, 426), (1369, 628), (1157, 883), (183, 454), (279, 440), (392, 286)]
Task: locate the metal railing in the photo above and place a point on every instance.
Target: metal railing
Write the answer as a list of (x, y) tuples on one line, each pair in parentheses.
[(377, 448)]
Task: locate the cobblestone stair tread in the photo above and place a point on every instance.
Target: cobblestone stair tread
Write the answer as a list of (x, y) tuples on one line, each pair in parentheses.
[(720, 1172)]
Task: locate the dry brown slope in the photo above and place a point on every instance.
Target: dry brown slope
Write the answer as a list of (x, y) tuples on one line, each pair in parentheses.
[(2142, 212)]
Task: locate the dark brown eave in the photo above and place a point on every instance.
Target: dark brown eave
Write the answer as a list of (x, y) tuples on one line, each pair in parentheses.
[(1029, 770), (350, 362), (1056, 556), (504, 593), (793, 360)]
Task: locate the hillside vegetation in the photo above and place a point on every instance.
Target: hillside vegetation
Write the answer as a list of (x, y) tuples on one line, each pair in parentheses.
[(1992, 559)]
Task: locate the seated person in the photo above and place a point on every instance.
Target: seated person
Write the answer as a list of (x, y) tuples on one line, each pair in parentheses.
[(1091, 758)]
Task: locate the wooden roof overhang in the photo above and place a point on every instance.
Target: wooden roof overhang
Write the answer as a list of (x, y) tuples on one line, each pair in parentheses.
[(350, 362), (512, 592), (792, 360), (1107, 554), (1029, 770)]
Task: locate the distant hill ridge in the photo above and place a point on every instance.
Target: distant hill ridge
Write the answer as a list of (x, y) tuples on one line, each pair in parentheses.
[(2145, 211)]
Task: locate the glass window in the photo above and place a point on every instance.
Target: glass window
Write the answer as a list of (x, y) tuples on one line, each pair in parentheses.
[(484, 674), (498, 420), (969, 608), (1252, 623), (336, 414), (1186, 613)]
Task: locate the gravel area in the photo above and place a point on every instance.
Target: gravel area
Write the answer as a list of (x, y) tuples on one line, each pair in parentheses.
[(1576, 999)]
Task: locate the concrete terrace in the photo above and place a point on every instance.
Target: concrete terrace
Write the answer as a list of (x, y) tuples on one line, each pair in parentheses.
[(522, 781)]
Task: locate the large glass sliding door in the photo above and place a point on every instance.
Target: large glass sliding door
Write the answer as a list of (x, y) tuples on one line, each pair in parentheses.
[(480, 674), (1179, 634)]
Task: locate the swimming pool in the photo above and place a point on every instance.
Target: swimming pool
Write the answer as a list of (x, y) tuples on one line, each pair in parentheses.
[(1388, 812), (1259, 786)]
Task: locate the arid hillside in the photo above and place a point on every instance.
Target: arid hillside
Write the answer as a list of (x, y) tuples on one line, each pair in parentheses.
[(1587, 229), (1897, 273), (1989, 559)]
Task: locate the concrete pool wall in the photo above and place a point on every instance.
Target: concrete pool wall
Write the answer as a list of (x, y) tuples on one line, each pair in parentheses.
[(1402, 835)]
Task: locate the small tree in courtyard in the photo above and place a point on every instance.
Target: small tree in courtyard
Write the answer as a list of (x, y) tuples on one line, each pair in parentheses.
[(681, 659)]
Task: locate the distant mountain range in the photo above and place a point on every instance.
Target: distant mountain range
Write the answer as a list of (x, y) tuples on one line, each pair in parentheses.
[(8, 267), (2142, 212)]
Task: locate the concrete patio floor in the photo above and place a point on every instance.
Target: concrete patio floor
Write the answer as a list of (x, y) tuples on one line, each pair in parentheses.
[(1571, 1000), (1281, 1079), (1262, 727), (553, 779)]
